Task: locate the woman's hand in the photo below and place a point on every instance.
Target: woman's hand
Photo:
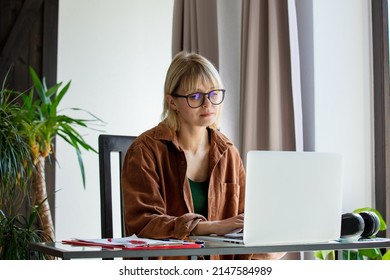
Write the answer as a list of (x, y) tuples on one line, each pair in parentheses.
[(220, 227)]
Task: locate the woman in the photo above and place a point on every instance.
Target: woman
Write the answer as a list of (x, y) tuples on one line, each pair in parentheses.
[(184, 177)]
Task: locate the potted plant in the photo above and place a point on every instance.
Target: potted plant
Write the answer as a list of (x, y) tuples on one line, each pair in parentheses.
[(47, 123), (16, 170), (16, 162), (16, 232), (28, 127)]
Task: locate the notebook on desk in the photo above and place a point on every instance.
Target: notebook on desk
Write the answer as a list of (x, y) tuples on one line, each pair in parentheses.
[(290, 197)]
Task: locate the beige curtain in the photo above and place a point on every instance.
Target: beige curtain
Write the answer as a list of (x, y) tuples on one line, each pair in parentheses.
[(270, 110), (195, 28), (268, 104)]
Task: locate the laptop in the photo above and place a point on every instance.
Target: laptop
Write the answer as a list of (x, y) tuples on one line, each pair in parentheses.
[(290, 198)]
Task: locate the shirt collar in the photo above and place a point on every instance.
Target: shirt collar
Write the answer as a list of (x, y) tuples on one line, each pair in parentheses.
[(163, 132)]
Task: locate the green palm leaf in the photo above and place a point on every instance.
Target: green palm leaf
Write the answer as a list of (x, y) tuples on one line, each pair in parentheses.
[(48, 123), (40, 89)]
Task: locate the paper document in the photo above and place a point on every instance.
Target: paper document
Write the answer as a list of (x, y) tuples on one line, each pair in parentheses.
[(132, 241)]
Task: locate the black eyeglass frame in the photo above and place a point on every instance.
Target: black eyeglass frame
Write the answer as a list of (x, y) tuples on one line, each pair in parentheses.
[(203, 97)]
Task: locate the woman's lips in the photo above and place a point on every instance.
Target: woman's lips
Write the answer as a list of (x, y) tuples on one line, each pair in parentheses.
[(207, 114)]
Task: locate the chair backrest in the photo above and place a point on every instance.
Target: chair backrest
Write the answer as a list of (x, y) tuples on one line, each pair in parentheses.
[(110, 144)]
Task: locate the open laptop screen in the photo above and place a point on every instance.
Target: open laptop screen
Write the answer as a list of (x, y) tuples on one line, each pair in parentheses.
[(292, 197)]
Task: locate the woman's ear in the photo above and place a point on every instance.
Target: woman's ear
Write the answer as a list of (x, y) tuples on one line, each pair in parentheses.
[(172, 103)]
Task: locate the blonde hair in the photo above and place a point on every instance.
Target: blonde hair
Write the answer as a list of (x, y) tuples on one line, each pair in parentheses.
[(186, 72)]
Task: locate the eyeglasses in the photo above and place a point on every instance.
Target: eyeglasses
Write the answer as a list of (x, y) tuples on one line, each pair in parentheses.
[(195, 100)]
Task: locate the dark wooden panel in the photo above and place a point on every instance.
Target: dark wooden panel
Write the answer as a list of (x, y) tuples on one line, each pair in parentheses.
[(49, 71), (50, 41), (28, 37), (381, 107), (18, 36)]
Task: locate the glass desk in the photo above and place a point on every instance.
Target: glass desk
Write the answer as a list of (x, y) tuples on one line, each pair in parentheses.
[(66, 252)]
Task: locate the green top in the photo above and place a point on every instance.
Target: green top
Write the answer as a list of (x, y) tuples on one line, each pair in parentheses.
[(199, 191)]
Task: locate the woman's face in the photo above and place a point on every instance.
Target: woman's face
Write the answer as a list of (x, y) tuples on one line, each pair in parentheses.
[(202, 116)]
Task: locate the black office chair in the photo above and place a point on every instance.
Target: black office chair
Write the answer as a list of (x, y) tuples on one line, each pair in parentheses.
[(107, 145)]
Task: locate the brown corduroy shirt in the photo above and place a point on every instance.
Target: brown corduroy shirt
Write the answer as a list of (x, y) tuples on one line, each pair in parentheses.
[(156, 193)]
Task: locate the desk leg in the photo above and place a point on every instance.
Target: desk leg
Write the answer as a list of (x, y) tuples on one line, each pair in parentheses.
[(35, 255), (31, 254)]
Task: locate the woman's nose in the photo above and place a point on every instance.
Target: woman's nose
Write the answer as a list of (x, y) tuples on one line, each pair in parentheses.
[(206, 101)]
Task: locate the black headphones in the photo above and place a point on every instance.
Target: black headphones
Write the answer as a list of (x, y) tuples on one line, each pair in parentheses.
[(362, 225)]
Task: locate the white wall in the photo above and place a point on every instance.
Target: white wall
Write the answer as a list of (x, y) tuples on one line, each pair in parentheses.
[(116, 53), (130, 63), (343, 92), (229, 29)]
